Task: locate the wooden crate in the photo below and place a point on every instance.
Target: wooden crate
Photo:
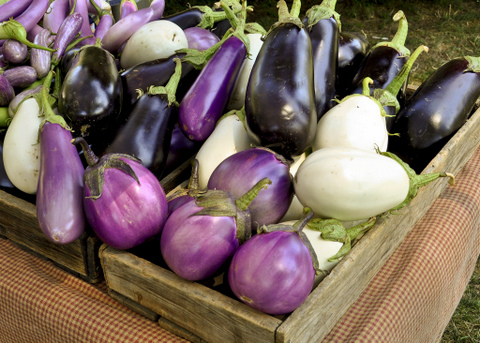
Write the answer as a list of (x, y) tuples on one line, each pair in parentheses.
[(201, 313)]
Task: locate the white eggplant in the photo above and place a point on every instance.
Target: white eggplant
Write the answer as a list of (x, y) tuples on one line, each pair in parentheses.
[(353, 184), (228, 137), (295, 211), (21, 149)]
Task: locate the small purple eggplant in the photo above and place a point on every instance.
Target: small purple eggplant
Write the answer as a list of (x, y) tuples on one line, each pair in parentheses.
[(200, 236), (240, 171), (21, 76), (41, 59), (124, 202), (274, 271), (14, 51), (200, 38), (7, 93)]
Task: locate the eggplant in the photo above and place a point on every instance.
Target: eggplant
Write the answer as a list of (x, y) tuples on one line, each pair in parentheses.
[(104, 24), (91, 96), (124, 202), (323, 25), (21, 76), (181, 150), (200, 236), (67, 31), (205, 101), (148, 130), (196, 16), (240, 171), (274, 271), (280, 98), (14, 29), (13, 8), (436, 110), (80, 7), (384, 61), (200, 38), (7, 93), (13, 105), (352, 50), (127, 7), (14, 51), (32, 14), (57, 11), (41, 60)]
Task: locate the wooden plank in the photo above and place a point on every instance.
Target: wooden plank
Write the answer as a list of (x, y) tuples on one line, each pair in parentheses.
[(339, 290), (134, 306), (200, 310)]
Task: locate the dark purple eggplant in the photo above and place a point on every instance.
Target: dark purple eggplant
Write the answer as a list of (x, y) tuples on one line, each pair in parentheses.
[(435, 111), (91, 96), (67, 31), (14, 51), (384, 61), (200, 236), (124, 202), (21, 76), (181, 150), (323, 25), (7, 93), (240, 171), (196, 16), (280, 99), (148, 130), (352, 50), (205, 101), (13, 8), (41, 60), (156, 72)]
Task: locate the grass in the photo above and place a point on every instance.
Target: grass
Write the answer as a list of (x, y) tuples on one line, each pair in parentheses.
[(450, 28)]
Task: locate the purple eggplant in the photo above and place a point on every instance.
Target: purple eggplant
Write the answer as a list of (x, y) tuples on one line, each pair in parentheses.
[(200, 236), (124, 28), (240, 171), (104, 24), (7, 93), (280, 98), (57, 11), (14, 51), (127, 7), (182, 195), (67, 31), (181, 150), (14, 29), (124, 202), (200, 38), (13, 8), (33, 14), (435, 111), (323, 25), (196, 16), (13, 105), (41, 60), (148, 130), (205, 101), (384, 61), (274, 271), (21, 76), (85, 30), (352, 50)]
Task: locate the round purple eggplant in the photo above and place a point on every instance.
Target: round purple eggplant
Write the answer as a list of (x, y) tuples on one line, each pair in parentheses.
[(200, 236), (14, 51), (274, 271), (124, 202), (200, 38), (240, 171)]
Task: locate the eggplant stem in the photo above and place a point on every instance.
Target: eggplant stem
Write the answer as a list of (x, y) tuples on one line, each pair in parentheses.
[(90, 156), (244, 201), (170, 89), (398, 41)]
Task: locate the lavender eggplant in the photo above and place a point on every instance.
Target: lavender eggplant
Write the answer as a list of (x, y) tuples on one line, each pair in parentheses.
[(32, 14), (14, 51), (80, 7), (323, 25), (200, 38), (202, 235), (104, 24), (240, 171), (205, 101), (41, 60), (148, 130), (67, 31), (436, 110), (91, 96), (13, 105), (274, 271), (280, 99), (13, 8), (127, 7), (124, 202), (384, 61), (59, 200), (7, 93), (57, 11), (21, 76)]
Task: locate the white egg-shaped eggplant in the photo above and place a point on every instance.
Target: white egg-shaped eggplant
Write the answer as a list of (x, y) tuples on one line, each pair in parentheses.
[(154, 40), (350, 183), (228, 137), (21, 149), (355, 122)]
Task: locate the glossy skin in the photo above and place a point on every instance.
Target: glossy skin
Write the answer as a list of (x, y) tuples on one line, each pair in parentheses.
[(272, 272), (205, 101), (280, 101), (13, 8), (127, 213), (200, 39), (188, 18), (14, 51), (60, 186), (437, 109), (181, 149), (241, 171), (7, 93)]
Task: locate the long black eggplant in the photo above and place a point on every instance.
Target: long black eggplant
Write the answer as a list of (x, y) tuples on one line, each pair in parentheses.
[(352, 50), (323, 25), (201, 16), (280, 98), (91, 96), (148, 130), (435, 111), (385, 60)]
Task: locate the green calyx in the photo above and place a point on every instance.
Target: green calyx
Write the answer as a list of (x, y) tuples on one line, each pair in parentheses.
[(333, 230), (192, 188), (47, 101), (94, 175), (12, 29), (473, 64), (286, 16), (170, 89), (398, 41), (416, 181), (325, 10), (366, 93)]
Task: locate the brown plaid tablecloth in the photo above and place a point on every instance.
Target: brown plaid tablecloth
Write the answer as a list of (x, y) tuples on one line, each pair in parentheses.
[(411, 299)]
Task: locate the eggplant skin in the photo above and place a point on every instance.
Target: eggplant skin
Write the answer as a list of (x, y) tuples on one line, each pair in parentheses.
[(280, 102), (91, 95), (435, 112)]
